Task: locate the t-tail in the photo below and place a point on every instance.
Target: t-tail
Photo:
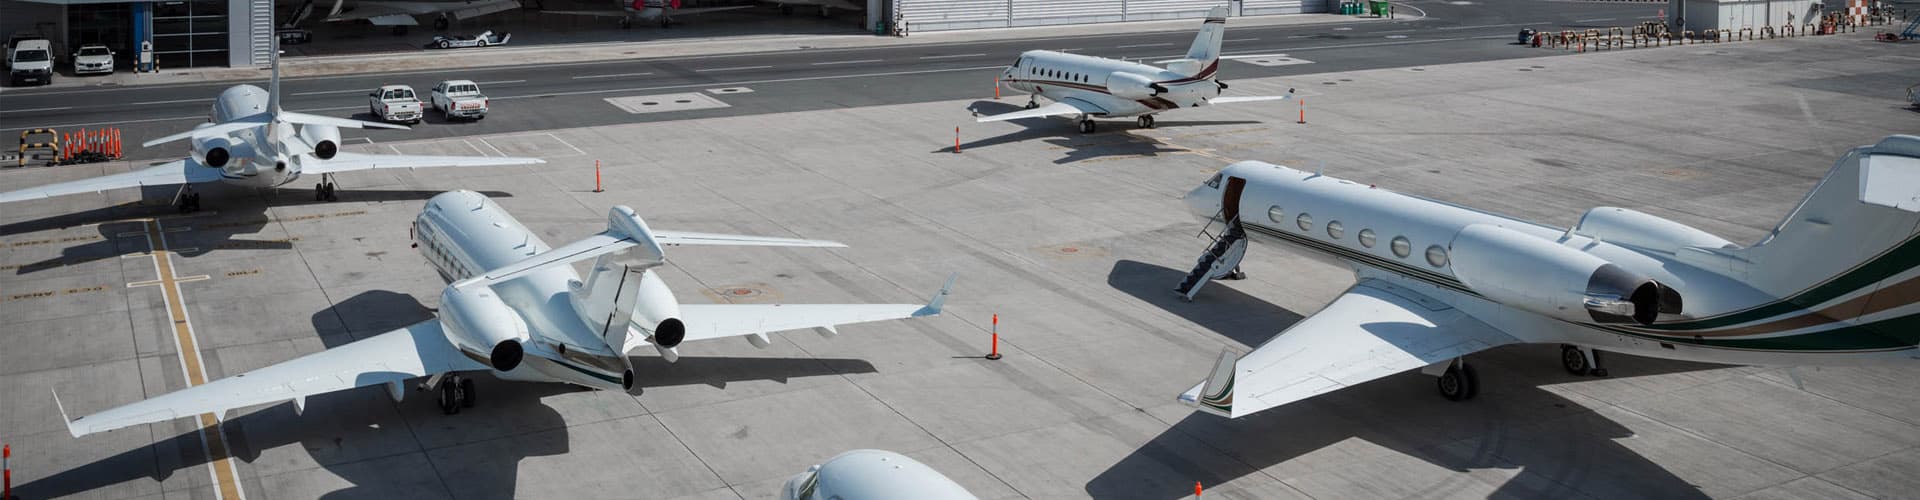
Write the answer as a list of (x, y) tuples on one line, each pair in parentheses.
[(1844, 264), (1204, 57)]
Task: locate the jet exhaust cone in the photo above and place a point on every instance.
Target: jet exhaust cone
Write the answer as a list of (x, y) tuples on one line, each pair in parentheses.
[(1646, 302), (279, 166), (217, 157), (626, 380), (507, 355), (669, 333)]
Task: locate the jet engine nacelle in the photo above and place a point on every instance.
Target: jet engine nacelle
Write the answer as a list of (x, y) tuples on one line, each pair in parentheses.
[(1131, 86), (483, 327), (325, 140), (1545, 277), (213, 151)]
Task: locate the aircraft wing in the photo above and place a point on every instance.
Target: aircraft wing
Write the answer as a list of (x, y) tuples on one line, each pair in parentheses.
[(713, 321), (1064, 107), (173, 172), (348, 162), (415, 351), (1257, 98), (1373, 330)]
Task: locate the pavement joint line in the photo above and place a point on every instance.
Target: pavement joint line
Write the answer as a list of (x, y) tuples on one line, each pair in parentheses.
[(953, 56), (855, 61), (221, 469), (615, 75), (35, 109)]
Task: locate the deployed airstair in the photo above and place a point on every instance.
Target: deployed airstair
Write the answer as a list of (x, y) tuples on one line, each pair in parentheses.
[(1221, 260)]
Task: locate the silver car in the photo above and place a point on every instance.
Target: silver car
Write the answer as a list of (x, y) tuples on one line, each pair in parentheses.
[(92, 59)]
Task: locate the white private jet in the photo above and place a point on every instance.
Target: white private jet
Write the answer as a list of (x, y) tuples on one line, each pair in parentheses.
[(661, 11), (1087, 86), (400, 14), (515, 308), (872, 475), (1837, 282), (252, 142)]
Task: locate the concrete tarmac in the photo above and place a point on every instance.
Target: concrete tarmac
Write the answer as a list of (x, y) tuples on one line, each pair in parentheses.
[(1073, 240)]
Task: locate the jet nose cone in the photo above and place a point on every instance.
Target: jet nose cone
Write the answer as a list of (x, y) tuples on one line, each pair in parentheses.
[(1202, 201)]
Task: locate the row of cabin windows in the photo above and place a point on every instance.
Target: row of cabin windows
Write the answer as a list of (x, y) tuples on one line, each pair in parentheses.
[(1063, 75), (1400, 245), (458, 270)]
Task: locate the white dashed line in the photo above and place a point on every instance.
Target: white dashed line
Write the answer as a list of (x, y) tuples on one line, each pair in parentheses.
[(953, 56), (737, 68), (612, 76), (856, 61)]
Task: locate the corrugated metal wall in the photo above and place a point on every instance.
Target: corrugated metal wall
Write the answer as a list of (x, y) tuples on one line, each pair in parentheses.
[(933, 15), (1043, 12), (936, 15)]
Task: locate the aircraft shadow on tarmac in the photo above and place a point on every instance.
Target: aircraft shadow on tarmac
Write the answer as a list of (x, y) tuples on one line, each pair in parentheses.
[(361, 436), (228, 213), (1559, 447), (1061, 133)]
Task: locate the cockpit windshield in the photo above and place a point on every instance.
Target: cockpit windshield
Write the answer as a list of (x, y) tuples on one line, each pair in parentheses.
[(1214, 182)]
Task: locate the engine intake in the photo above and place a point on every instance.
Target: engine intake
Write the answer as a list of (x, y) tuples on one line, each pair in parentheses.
[(1541, 276)]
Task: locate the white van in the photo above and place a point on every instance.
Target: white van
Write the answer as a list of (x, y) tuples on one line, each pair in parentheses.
[(30, 61)]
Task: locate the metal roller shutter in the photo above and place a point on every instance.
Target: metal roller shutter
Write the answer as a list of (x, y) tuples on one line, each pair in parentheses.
[(1043, 12), (1147, 10), (1265, 7), (934, 15)]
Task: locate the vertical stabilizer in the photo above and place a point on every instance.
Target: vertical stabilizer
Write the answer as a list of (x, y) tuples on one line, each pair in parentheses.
[(614, 285), (1849, 252), (1206, 45)]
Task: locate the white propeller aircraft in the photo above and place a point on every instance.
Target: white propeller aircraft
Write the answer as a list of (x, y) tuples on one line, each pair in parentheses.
[(515, 308), (661, 11), (252, 142), (872, 475), (1087, 86), (1836, 282)]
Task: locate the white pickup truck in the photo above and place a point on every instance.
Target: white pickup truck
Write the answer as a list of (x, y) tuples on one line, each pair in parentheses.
[(395, 103), (459, 99)]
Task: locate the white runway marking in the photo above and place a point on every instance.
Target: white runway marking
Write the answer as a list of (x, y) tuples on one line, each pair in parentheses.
[(502, 82), (323, 92), (855, 61), (1145, 45), (954, 56), (175, 101), (736, 68), (616, 75), (1594, 20), (35, 109)]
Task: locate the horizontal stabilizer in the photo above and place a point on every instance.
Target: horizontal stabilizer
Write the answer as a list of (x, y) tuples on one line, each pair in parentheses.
[(675, 238), (215, 130), (715, 321), (306, 119)]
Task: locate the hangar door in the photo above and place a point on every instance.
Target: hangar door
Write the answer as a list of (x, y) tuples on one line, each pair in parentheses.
[(1042, 12), (1148, 10), (935, 15)]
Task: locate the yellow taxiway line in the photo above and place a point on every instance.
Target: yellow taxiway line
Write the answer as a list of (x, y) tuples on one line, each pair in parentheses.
[(226, 475)]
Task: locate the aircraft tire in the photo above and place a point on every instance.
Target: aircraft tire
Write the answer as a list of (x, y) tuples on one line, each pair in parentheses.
[(466, 393), (1573, 360), (1146, 121), (1456, 384), (449, 398), (1086, 126)]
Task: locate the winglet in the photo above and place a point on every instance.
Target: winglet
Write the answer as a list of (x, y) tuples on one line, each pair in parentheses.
[(71, 429), (939, 300), (1215, 395)]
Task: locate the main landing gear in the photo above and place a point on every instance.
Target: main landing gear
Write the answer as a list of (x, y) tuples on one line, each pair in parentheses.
[(324, 191), (1459, 382), (1031, 103), (1086, 125), (1581, 361), (1146, 121), (456, 392), (186, 200)]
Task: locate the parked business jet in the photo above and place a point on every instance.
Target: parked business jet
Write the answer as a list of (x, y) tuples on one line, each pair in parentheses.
[(251, 142), (661, 11), (1836, 282), (400, 14), (515, 308), (1087, 86), (872, 475)]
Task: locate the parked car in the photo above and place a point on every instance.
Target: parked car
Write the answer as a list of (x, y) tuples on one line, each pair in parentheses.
[(395, 103), (459, 99), (92, 59), (484, 39), (30, 61)]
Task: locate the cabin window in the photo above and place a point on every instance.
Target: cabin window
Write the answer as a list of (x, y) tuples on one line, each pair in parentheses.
[(1335, 230), (1305, 221), (1276, 215), (1437, 256), (1402, 247), (1366, 238)]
